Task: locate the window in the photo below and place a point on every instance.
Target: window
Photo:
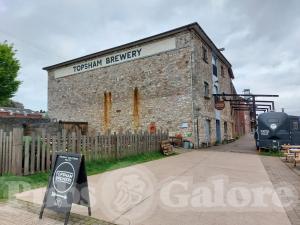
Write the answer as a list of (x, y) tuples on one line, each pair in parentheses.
[(204, 54), (295, 125), (214, 65), (216, 90), (206, 89), (207, 130), (222, 71), (215, 70), (225, 129), (214, 60)]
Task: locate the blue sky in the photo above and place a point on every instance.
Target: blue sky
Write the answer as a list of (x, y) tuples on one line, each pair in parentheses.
[(261, 38)]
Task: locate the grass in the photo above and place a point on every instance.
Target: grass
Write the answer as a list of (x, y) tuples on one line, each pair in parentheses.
[(10, 185), (272, 153), (95, 167)]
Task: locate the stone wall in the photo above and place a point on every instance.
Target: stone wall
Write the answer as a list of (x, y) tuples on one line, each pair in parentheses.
[(8, 124), (166, 89), (128, 96), (202, 72)]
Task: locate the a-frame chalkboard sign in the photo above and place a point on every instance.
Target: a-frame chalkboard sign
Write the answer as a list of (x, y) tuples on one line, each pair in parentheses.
[(67, 184)]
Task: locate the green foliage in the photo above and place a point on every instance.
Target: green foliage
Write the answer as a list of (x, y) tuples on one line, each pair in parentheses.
[(272, 153), (99, 166), (10, 185), (9, 67)]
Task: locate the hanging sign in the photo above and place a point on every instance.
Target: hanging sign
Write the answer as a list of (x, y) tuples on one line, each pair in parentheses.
[(67, 184), (220, 104)]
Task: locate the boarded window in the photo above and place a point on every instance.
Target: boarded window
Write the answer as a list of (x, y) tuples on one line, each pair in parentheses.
[(222, 71)]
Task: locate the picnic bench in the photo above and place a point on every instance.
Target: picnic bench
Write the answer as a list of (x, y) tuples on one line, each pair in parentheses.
[(291, 152)]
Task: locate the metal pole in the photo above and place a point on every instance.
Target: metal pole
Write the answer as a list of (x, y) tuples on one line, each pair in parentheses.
[(198, 141), (254, 113)]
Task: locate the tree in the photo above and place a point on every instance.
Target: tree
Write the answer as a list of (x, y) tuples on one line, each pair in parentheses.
[(9, 67)]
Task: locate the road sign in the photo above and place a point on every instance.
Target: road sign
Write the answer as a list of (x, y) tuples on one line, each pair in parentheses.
[(67, 184)]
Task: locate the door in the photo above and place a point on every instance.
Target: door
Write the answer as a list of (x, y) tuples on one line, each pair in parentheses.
[(225, 131), (207, 131), (218, 132)]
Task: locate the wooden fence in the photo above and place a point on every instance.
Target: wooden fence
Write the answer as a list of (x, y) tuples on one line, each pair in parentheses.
[(24, 155)]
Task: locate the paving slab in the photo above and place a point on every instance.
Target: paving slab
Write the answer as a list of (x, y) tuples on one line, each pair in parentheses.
[(10, 215), (280, 172)]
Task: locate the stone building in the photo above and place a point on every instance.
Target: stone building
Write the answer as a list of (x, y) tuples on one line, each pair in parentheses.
[(164, 81)]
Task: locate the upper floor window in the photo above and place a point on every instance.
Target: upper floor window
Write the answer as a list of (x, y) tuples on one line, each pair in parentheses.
[(214, 60), (216, 89), (206, 89), (204, 54), (222, 71), (214, 65)]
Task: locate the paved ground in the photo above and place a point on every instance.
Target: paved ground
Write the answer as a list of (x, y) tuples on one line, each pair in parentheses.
[(245, 144), (280, 173), (16, 213), (212, 187)]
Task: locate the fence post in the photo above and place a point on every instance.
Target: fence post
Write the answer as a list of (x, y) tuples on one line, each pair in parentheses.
[(64, 140), (73, 142), (109, 145), (96, 145), (114, 141), (26, 156), (43, 150), (1, 150), (78, 138), (32, 154), (38, 153), (54, 149), (6, 153), (58, 139), (84, 147), (17, 151), (48, 156), (10, 162)]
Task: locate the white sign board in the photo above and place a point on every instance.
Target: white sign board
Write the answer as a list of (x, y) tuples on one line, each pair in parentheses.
[(119, 57)]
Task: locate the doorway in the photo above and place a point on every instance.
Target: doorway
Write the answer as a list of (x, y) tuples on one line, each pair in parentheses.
[(218, 132), (207, 131)]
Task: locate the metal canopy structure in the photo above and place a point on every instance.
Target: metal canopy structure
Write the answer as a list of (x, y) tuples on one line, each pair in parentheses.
[(248, 102)]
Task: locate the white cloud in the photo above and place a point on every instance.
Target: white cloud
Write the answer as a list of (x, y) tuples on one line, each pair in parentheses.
[(261, 37)]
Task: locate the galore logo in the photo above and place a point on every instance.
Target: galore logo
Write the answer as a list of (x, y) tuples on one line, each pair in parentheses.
[(218, 194), (124, 189)]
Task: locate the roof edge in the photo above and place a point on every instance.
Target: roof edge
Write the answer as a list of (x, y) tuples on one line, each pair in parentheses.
[(192, 26)]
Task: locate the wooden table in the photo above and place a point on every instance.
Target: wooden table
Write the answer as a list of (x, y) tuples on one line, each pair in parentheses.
[(296, 151)]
